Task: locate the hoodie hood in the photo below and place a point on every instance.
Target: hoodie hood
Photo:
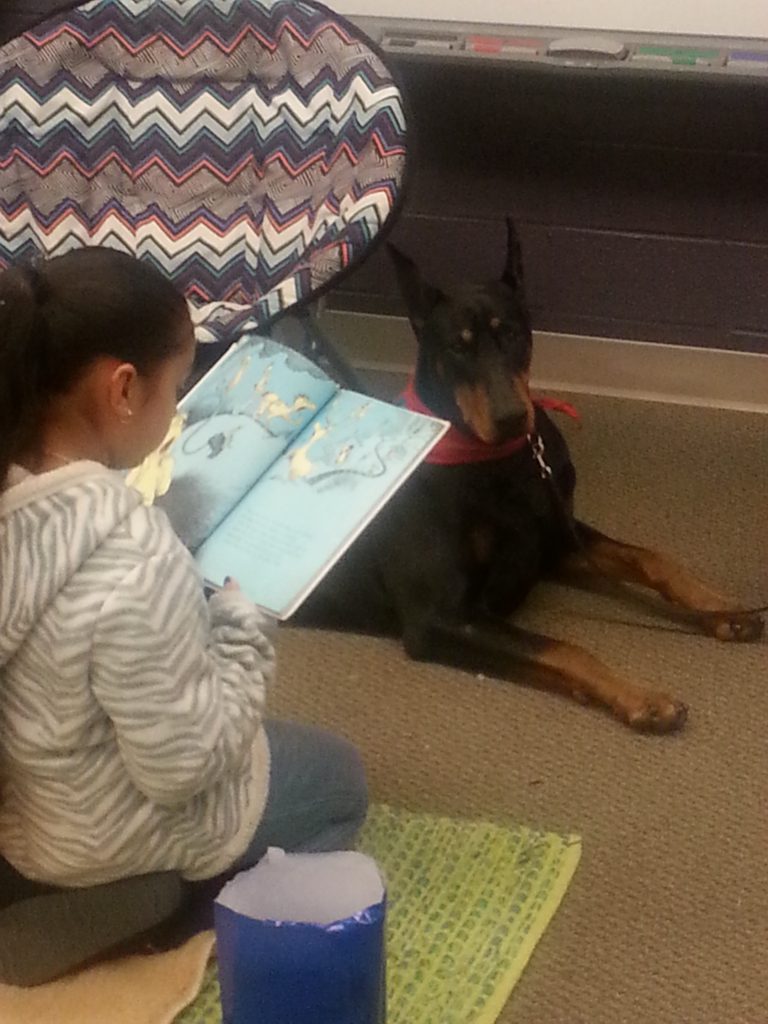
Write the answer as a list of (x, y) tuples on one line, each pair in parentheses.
[(50, 525)]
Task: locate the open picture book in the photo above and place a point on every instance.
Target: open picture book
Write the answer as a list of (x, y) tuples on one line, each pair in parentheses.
[(270, 470)]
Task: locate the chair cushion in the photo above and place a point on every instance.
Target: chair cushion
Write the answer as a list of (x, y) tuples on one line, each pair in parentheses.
[(252, 149)]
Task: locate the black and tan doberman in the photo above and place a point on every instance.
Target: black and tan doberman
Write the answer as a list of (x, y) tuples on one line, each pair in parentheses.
[(457, 550)]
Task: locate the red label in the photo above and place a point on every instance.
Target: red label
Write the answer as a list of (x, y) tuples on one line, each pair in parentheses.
[(495, 44)]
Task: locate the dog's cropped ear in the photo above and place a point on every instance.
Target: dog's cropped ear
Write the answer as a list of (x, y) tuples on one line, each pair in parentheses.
[(420, 297), (513, 269)]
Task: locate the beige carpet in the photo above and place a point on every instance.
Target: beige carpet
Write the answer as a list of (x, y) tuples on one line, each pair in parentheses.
[(667, 918)]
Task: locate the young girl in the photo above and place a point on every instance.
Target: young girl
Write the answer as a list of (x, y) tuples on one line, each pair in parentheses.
[(132, 732)]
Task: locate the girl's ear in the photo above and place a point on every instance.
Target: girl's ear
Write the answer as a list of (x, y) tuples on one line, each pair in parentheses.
[(122, 390)]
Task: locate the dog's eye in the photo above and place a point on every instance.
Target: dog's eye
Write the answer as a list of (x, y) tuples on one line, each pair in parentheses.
[(461, 344)]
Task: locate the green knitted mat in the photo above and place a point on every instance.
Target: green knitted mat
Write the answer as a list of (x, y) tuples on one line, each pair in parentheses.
[(467, 903)]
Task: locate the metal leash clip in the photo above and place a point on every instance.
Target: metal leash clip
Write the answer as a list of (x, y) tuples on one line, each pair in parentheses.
[(537, 447)]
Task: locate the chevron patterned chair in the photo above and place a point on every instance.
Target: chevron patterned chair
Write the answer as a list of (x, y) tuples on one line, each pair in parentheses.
[(254, 150)]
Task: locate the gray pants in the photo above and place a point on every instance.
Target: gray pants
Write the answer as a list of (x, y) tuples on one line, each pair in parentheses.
[(317, 797)]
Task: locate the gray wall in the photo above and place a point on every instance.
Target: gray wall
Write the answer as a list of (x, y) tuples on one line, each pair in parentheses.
[(642, 200)]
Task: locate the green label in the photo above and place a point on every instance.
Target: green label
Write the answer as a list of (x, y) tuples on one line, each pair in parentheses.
[(678, 54)]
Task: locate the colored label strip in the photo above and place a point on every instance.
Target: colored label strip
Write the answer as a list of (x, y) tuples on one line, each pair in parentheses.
[(505, 44), (686, 56), (749, 61)]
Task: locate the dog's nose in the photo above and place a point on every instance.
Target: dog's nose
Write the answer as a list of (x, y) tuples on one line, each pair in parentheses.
[(512, 426)]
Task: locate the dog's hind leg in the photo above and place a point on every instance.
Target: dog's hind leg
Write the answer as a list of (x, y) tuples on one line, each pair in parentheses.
[(507, 652), (630, 564)]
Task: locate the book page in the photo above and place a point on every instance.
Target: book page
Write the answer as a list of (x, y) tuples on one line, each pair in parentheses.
[(316, 498), (228, 431)]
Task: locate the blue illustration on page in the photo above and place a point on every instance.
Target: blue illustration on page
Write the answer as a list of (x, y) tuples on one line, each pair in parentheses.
[(233, 425), (316, 498)]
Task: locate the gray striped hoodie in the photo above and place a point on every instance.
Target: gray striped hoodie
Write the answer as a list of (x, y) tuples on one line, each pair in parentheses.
[(130, 709)]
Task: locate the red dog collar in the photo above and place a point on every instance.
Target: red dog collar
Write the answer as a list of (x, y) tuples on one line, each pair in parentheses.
[(456, 448)]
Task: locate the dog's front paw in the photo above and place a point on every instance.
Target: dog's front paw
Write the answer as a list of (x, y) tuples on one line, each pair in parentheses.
[(734, 627), (647, 711)]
